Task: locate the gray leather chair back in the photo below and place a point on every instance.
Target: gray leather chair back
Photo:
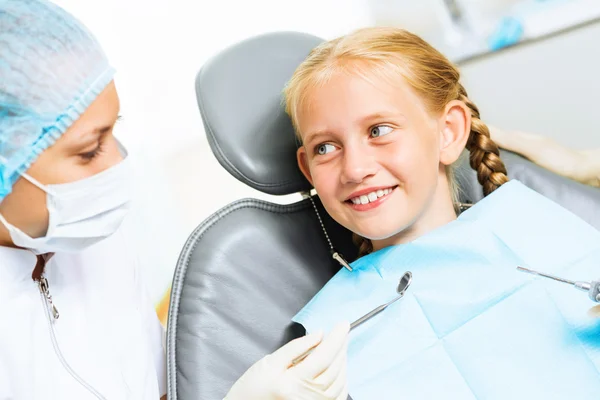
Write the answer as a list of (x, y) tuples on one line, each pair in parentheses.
[(246, 270)]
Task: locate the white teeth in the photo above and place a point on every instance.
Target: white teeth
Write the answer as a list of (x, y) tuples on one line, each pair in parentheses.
[(364, 199)]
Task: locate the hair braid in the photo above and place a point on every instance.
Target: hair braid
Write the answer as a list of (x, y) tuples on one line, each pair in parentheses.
[(484, 153), (365, 246)]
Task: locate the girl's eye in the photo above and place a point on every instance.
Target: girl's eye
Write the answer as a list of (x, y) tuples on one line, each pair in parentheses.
[(323, 149), (380, 130)]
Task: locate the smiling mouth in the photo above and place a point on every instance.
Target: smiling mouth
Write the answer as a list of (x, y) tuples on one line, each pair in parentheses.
[(371, 197)]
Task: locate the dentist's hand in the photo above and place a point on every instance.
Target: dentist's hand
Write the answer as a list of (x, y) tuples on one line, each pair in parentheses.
[(320, 376)]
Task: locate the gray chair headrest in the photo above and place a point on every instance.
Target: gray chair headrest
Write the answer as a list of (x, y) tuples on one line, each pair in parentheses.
[(239, 94)]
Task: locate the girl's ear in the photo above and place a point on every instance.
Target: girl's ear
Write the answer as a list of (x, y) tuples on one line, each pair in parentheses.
[(455, 130), (302, 158)]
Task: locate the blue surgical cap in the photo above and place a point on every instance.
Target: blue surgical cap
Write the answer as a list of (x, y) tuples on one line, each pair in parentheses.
[(51, 70)]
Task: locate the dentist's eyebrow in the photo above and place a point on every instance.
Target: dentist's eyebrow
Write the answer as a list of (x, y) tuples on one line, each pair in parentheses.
[(106, 128), (103, 129), (88, 137)]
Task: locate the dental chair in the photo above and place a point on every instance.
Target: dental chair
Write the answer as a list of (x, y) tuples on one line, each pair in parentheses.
[(248, 268)]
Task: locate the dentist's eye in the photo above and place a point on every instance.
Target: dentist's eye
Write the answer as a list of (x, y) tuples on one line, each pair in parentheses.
[(323, 149), (380, 130), (90, 155)]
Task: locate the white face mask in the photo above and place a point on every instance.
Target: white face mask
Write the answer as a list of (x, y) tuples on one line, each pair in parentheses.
[(81, 213)]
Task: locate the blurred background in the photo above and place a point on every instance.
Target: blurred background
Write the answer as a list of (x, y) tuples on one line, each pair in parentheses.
[(528, 64)]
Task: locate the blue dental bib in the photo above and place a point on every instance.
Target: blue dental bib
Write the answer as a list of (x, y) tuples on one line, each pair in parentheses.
[(470, 325)]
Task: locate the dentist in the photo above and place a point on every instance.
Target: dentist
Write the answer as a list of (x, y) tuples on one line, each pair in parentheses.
[(76, 322)]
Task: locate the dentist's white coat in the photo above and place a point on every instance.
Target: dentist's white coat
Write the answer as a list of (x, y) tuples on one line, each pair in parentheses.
[(107, 331)]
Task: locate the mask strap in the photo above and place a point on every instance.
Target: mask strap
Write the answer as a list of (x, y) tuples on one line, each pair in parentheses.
[(35, 182), (5, 222), (29, 178)]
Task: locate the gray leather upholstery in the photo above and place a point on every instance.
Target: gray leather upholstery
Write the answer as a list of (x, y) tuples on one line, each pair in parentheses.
[(246, 270), (241, 277), (239, 94)]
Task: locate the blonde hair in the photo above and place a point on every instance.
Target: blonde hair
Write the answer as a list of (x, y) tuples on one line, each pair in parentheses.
[(389, 53)]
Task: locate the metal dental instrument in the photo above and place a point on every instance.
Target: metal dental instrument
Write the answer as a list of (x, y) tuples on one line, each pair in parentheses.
[(403, 284), (592, 288)]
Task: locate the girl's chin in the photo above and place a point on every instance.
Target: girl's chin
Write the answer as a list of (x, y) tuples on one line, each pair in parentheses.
[(378, 236), (386, 237)]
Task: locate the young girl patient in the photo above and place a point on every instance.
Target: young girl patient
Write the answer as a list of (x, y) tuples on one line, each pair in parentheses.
[(383, 117)]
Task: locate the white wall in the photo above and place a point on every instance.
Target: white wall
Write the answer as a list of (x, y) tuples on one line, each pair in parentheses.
[(551, 87)]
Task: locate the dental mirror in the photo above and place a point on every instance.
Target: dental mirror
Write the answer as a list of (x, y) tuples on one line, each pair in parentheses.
[(403, 284)]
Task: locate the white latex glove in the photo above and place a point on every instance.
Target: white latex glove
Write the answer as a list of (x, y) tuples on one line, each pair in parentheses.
[(320, 376)]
